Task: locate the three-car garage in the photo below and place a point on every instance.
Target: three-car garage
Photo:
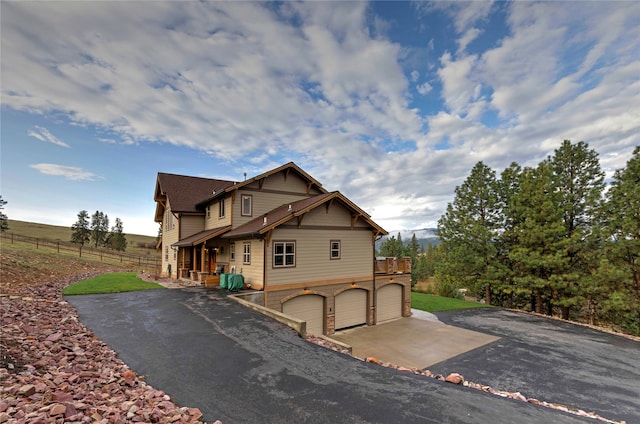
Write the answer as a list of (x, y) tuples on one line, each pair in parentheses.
[(351, 308)]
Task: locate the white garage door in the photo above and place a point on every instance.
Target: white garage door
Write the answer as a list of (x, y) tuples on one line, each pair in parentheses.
[(389, 302), (308, 308), (351, 308)]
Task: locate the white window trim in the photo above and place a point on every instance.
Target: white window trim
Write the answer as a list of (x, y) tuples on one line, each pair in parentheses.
[(331, 250), (221, 207), (244, 212), (232, 252), (246, 253)]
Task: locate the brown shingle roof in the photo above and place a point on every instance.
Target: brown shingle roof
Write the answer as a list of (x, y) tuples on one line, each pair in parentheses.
[(286, 212), (186, 192), (201, 237)]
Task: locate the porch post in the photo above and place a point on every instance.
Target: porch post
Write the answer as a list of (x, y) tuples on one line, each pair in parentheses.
[(202, 253)]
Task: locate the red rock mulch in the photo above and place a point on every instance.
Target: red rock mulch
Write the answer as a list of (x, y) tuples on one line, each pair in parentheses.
[(54, 370)]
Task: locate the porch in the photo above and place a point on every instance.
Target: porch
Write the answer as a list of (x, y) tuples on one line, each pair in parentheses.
[(385, 265)]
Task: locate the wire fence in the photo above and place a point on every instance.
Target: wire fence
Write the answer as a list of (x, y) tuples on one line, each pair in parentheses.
[(103, 255)]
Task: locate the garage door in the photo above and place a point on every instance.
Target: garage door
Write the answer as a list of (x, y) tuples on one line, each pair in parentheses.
[(308, 308), (351, 308), (389, 302)]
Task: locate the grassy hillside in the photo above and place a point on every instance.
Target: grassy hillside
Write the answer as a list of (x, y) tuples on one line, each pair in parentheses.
[(136, 244)]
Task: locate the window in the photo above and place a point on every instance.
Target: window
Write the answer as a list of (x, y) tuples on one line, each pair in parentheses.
[(166, 253), (246, 253), (208, 211), (232, 252), (334, 250), (246, 205), (221, 208), (284, 253)]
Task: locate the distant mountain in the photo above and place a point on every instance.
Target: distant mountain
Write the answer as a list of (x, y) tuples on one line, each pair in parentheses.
[(425, 237)]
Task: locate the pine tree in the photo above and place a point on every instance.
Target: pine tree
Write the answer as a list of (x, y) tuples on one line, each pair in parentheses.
[(622, 268), (508, 187), (80, 232), (116, 239), (538, 235), (468, 230), (99, 228), (4, 220), (578, 183)]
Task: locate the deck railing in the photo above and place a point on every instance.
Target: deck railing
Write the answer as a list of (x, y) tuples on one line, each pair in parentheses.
[(393, 265)]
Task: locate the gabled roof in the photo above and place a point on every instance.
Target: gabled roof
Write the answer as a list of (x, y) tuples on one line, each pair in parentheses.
[(284, 213), (184, 192), (287, 168), (201, 237)]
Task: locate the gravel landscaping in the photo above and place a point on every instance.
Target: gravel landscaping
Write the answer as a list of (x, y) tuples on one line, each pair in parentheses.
[(53, 369)]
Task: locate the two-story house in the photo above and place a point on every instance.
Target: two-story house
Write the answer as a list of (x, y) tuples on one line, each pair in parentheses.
[(310, 251)]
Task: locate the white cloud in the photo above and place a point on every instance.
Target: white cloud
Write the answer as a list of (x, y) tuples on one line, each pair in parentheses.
[(424, 88), (45, 135), (241, 81), (68, 172), (469, 35)]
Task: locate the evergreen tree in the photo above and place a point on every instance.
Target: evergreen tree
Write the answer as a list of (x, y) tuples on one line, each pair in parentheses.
[(392, 247), (468, 230), (99, 228), (80, 232), (622, 269), (116, 239), (578, 183), (4, 220), (508, 187), (538, 249)]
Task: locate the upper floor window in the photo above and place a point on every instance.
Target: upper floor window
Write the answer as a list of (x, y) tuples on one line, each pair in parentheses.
[(221, 208), (334, 250), (208, 211), (284, 253), (246, 253), (232, 252), (246, 205)]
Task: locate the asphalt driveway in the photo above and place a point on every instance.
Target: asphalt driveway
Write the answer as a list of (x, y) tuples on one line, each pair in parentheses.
[(238, 366), (551, 360)]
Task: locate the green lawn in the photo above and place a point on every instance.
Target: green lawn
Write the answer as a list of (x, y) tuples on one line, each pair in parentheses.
[(432, 303), (114, 282)]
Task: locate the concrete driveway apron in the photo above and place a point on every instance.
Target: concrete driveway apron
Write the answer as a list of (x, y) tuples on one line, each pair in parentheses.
[(412, 342), (238, 366)]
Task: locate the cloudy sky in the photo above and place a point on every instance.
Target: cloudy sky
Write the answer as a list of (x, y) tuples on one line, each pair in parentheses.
[(391, 103)]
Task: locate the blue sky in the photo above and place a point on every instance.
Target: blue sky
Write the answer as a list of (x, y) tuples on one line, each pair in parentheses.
[(391, 103)]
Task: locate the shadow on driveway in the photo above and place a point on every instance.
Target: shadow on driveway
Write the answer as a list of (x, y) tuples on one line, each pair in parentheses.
[(238, 366)]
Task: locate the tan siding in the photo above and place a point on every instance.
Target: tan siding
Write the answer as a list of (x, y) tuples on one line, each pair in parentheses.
[(291, 190), (170, 235), (312, 256), (252, 272), (190, 225), (214, 220)]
